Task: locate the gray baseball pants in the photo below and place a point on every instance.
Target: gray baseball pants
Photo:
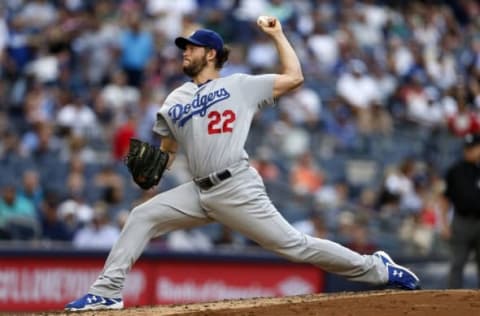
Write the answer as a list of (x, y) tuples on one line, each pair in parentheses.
[(465, 240), (242, 204)]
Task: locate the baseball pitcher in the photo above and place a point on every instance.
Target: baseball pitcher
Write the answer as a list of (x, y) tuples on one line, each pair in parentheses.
[(209, 117)]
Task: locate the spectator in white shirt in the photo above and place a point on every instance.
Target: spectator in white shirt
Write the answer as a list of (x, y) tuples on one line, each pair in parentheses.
[(324, 47), (99, 233), (303, 106), (117, 96), (78, 117), (189, 240), (356, 86)]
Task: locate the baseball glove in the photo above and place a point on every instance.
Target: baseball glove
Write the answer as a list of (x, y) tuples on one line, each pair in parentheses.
[(146, 163)]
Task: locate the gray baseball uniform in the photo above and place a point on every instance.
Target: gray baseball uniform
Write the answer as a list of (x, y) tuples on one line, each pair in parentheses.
[(211, 123)]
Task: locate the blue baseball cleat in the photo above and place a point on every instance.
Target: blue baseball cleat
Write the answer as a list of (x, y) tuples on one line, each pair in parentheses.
[(397, 275), (94, 302)]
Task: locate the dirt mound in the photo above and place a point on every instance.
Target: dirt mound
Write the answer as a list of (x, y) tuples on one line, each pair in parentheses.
[(391, 303)]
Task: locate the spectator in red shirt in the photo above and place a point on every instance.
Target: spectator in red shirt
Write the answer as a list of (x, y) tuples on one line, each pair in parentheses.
[(121, 138), (465, 121)]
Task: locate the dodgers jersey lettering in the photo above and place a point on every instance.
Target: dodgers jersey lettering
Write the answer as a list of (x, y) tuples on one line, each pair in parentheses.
[(211, 121)]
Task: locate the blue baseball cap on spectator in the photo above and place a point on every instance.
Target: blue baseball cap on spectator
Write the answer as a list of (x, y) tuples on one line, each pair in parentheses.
[(201, 37)]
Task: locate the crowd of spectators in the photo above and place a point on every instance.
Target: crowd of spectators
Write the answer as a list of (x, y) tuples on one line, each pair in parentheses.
[(355, 155)]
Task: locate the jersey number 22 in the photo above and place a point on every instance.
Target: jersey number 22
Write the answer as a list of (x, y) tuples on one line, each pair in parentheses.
[(221, 122)]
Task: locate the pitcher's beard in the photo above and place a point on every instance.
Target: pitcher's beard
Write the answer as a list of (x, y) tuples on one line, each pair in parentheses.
[(195, 67)]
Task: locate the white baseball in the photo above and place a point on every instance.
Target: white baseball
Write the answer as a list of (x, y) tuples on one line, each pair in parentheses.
[(263, 20)]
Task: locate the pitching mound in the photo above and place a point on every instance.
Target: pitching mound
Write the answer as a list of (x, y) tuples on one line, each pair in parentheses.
[(391, 303)]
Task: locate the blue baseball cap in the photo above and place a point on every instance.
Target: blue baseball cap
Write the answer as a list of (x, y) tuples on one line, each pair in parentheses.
[(201, 37)]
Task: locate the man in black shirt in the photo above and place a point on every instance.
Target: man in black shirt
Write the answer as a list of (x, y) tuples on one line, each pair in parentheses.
[(463, 193)]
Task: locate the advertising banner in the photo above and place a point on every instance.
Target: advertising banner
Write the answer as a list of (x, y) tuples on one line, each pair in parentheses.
[(211, 281), (32, 284), (45, 284)]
